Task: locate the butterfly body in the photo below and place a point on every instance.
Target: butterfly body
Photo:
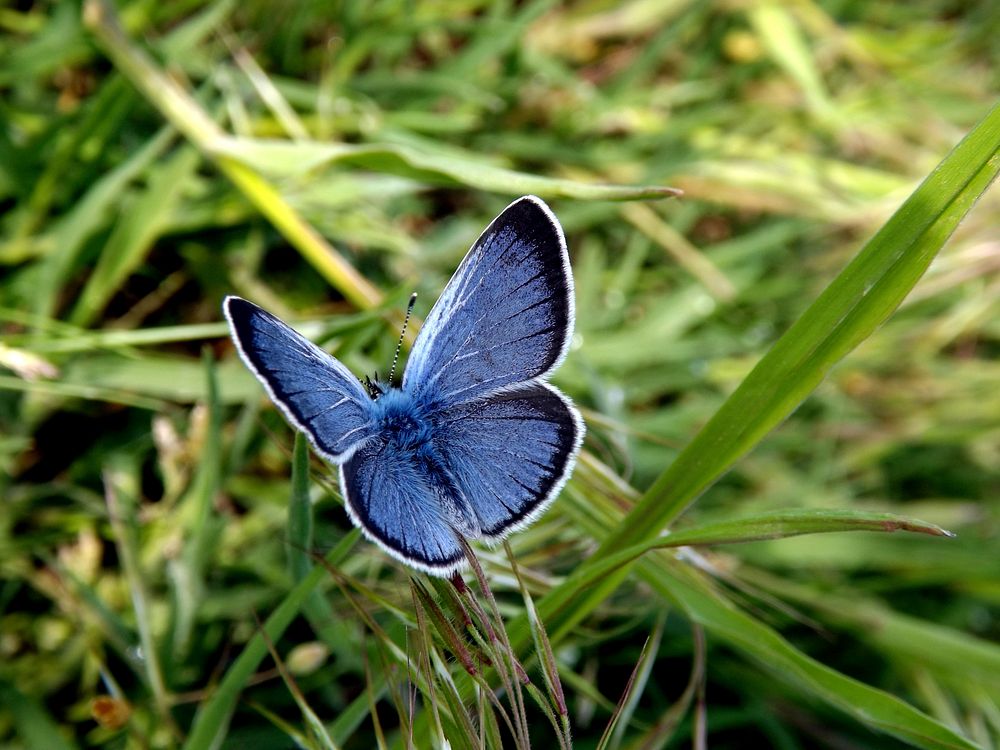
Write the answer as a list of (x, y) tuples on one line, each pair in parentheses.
[(403, 420), (475, 442)]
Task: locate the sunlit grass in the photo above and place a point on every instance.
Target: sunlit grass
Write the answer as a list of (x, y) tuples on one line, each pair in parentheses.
[(176, 572)]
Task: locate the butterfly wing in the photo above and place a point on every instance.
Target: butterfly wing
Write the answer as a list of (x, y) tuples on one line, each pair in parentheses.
[(403, 503), (316, 393), (505, 317), (504, 442), (510, 453)]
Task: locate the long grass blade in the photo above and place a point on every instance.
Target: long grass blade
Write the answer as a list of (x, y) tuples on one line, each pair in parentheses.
[(850, 309)]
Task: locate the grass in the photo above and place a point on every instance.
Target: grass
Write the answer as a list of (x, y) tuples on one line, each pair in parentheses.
[(779, 370)]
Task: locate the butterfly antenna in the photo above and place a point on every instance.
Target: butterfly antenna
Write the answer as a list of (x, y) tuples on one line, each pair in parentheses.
[(406, 320)]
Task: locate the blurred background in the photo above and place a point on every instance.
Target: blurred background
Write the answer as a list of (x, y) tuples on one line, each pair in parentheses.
[(325, 159)]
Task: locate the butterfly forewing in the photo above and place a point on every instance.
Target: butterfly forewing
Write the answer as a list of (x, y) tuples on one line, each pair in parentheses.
[(316, 392), (505, 317)]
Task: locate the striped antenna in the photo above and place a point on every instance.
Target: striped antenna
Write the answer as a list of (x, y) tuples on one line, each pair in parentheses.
[(406, 320)]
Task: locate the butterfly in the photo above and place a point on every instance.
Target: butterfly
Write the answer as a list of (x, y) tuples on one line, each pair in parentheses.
[(475, 442)]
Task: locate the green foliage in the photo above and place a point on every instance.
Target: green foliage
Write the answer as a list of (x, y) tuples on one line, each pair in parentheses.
[(796, 344)]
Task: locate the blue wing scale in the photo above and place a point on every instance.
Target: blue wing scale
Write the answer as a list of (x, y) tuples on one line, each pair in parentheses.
[(398, 500), (316, 392), (510, 454), (506, 316)]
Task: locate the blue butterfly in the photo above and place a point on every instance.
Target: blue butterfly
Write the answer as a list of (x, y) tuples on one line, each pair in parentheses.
[(475, 442)]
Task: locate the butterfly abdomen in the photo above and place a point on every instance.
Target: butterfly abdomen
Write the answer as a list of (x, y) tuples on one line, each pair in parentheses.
[(405, 423)]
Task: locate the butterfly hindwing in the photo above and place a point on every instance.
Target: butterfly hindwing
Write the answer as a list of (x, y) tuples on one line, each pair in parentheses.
[(510, 453), (505, 317), (401, 503), (316, 392)]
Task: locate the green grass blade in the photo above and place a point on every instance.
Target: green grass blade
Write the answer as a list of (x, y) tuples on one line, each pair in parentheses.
[(135, 233), (784, 523), (110, 104), (635, 687), (79, 390), (212, 719), (333, 630), (90, 213), (774, 525), (846, 313), (203, 525), (783, 40), (36, 728), (319, 736), (959, 655), (184, 113), (689, 590), (850, 309), (120, 480), (154, 377), (285, 158), (300, 516), (88, 341)]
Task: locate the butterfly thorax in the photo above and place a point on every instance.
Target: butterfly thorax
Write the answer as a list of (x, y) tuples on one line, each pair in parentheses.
[(401, 420)]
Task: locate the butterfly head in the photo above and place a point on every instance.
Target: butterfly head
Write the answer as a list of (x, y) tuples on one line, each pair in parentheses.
[(374, 387)]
